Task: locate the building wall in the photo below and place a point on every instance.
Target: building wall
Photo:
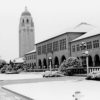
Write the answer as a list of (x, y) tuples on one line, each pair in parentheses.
[(31, 60), (53, 53), (92, 51), (60, 54), (26, 34)]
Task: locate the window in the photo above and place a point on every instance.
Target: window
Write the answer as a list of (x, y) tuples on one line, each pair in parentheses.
[(78, 47), (55, 46), (44, 49), (34, 56), (26, 58), (73, 48), (89, 45), (49, 47), (62, 44), (39, 50), (96, 43), (27, 21), (30, 57)]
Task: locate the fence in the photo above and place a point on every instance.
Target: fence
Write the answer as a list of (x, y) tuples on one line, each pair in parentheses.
[(91, 69)]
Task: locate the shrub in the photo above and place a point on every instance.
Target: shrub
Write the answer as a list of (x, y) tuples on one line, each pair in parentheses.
[(68, 65)]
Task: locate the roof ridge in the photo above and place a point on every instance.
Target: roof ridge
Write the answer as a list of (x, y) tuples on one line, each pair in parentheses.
[(83, 23)]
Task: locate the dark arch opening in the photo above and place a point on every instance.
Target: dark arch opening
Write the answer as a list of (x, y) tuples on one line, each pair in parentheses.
[(34, 65), (97, 60), (63, 58), (30, 65), (90, 61), (27, 20), (56, 62), (44, 63), (39, 64), (49, 63)]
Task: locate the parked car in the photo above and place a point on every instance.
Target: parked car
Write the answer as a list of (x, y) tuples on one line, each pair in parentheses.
[(95, 75), (52, 74)]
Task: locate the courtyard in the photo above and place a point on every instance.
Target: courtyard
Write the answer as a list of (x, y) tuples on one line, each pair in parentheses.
[(37, 88)]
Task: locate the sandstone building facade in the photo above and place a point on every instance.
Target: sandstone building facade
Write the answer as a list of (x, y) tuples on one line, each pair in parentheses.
[(67, 44), (92, 42), (26, 33)]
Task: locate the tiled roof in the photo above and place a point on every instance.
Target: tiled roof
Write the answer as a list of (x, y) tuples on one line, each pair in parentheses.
[(88, 34), (32, 51), (82, 27)]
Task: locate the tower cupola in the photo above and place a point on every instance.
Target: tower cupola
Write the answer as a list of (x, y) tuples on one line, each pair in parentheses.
[(26, 12)]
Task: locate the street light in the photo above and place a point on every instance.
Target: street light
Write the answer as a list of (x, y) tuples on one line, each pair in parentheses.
[(50, 59), (86, 54)]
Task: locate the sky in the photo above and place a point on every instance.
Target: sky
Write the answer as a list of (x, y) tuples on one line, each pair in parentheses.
[(49, 16)]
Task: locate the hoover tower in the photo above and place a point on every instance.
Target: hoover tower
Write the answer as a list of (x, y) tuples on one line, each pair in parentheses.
[(26, 33)]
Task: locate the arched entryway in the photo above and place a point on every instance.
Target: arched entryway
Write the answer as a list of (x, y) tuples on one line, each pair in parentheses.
[(34, 65), (56, 62), (39, 64), (49, 63), (63, 58), (30, 65), (97, 60), (44, 63), (90, 61)]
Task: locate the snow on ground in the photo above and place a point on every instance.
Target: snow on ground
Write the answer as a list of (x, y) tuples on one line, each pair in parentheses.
[(58, 90), (20, 76)]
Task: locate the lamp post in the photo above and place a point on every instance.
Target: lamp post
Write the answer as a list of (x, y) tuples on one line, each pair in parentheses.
[(86, 53), (50, 59)]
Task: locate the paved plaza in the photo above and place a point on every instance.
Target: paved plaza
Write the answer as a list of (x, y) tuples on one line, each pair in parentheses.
[(6, 79), (63, 88)]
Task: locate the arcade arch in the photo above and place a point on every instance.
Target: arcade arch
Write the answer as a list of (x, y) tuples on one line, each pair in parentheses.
[(90, 61), (39, 64), (63, 58), (56, 62), (44, 63), (97, 60)]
